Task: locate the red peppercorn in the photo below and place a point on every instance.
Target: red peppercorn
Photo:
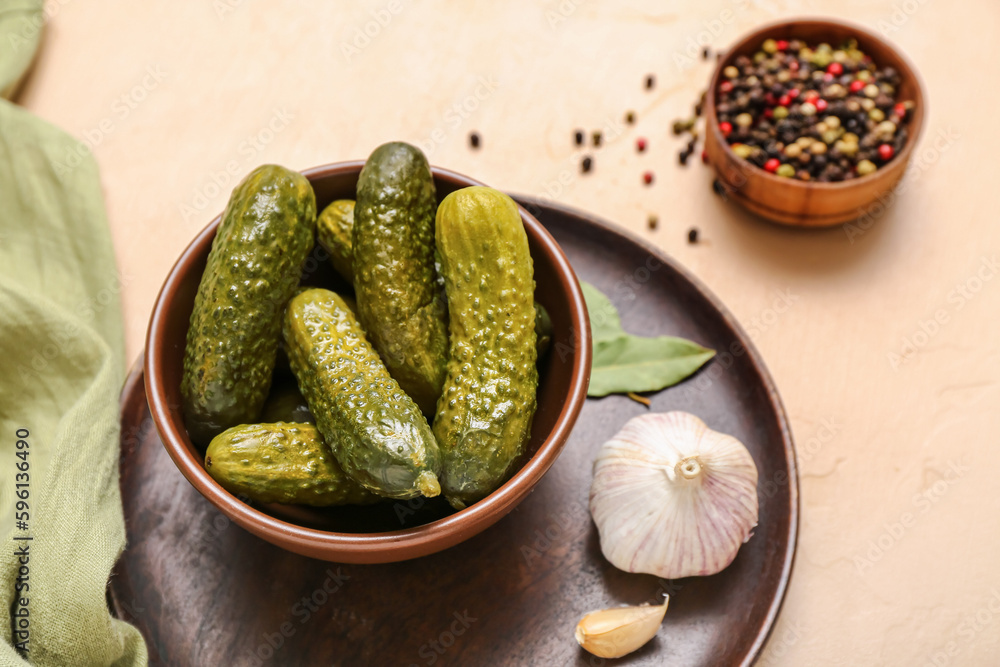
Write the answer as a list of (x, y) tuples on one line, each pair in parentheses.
[(856, 86), (726, 86), (794, 65), (886, 151), (835, 69), (647, 178), (784, 100), (640, 144), (811, 96), (770, 99), (769, 113), (899, 110), (704, 156), (782, 44), (794, 93), (772, 165), (821, 105), (725, 127)]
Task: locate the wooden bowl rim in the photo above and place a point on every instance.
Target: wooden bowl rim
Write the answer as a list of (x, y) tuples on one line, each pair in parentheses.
[(916, 124)]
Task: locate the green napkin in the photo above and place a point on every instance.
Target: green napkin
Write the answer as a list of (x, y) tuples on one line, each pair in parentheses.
[(21, 24), (61, 369)]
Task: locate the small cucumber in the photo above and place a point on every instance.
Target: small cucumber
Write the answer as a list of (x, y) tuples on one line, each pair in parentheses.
[(378, 434), (333, 232), (281, 463), (252, 270), (399, 301), (484, 416)]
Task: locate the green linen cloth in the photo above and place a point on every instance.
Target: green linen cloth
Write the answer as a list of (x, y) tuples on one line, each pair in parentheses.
[(61, 370)]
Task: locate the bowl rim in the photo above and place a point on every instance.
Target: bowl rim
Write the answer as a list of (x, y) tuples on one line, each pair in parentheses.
[(423, 539), (916, 124)]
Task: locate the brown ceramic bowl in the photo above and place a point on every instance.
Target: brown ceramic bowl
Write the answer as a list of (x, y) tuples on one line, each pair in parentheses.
[(391, 531), (791, 201)]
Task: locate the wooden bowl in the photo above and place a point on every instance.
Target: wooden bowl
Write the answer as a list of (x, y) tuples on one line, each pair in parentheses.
[(807, 203), (391, 531)]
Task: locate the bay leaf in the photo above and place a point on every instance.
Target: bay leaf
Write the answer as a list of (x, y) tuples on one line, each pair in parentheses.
[(605, 323), (625, 363)]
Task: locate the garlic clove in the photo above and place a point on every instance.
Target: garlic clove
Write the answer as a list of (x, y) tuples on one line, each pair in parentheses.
[(672, 497), (612, 633)]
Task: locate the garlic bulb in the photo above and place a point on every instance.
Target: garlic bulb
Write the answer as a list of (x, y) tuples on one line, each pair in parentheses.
[(672, 497), (612, 633)]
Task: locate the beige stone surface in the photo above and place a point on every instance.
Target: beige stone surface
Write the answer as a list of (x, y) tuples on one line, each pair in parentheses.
[(897, 559)]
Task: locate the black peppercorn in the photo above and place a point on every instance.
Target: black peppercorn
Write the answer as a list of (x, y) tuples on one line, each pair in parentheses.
[(578, 137), (474, 139), (693, 234)]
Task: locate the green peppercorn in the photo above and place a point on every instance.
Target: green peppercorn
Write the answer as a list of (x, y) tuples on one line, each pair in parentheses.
[(769, 46), (780, 113), (877, 115), (866, 167), (742, 150), (786, 170)]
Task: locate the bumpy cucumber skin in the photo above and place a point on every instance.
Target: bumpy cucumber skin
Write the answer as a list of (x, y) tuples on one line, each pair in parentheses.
[(399, 302), (484, 416), (253, 268), (286, 403), (333, 231), (281, 463), (378, 434)]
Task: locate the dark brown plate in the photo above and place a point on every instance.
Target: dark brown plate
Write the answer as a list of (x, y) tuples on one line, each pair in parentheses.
[(204, 592)]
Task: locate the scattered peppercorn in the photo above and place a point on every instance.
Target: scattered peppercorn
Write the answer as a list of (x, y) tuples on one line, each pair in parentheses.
[(650, 81), (640, 144), (704, 157), (682, 157), (587, 163), (811, 111), (704, 53), (718, 188), (474, 139), (596, 137), (630, 117), (693, 234), (578, 137), (652, 221), (647, 178)]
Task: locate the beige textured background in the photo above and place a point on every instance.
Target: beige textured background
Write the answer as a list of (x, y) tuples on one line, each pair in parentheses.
[(901, 519)]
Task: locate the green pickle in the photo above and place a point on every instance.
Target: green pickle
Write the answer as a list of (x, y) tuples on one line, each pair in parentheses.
[(484, 417), (377, 433), (281, 463), (333, 232), (252, 270), (400, 304)]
